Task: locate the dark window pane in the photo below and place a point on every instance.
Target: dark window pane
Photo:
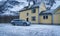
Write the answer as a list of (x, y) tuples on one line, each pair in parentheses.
[(27, 14), (46, 17), (48, 8), (48, 3), (33, 18), (33, 10), (43, 17)]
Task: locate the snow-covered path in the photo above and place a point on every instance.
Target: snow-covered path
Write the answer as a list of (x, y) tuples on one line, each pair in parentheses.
[(33, 30)]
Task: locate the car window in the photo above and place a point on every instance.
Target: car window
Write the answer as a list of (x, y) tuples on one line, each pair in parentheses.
[(18, 20)]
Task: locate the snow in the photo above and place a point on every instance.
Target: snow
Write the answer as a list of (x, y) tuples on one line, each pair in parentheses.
[(33, 30), (55, 5)]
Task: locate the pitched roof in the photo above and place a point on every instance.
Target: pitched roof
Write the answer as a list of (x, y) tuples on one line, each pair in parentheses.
[(46, 12), (52, 11), (27, 7), (58, 7)]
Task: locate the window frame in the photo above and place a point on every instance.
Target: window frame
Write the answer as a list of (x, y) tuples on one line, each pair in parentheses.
[(33, 10), (27, 14), (33, 18), (45, 17)]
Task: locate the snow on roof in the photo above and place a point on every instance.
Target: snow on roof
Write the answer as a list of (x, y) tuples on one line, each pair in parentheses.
[(56, 5), (49, 11)]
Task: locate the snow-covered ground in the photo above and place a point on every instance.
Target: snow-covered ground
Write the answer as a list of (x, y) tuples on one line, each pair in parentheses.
[(33, 30)]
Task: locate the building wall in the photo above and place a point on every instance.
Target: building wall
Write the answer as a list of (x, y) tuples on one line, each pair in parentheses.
[(23, 15), (42, 7), (36, 15), (56, 16), (56, 19), (47, 21), (57, 11)]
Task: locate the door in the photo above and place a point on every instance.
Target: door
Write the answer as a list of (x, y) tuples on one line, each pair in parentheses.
[(27, 19)]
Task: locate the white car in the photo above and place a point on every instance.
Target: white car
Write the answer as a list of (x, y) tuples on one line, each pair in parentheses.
[(20, 22)]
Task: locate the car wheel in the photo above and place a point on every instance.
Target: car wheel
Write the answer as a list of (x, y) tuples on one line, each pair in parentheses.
[(25, 24), (13, 23)]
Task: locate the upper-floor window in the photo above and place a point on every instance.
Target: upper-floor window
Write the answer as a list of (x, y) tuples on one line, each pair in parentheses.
[(27, 14), (48, 8), (48, 3), (45, 17), (34, 10)]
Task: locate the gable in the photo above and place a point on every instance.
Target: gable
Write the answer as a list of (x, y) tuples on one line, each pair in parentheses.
[(42, 7)]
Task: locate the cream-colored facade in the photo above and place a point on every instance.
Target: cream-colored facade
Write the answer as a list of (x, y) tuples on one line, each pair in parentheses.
[(28, 14), (47, 20), (56, 16), (56, 19), (42, 7), (34, 17)]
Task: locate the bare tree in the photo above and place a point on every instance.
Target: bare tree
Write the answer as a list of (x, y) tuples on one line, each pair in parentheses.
[(2, 6)]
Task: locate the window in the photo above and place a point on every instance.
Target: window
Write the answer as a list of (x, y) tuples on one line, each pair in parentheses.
[(42, 11), (47, 3), (33, 18), (27, 14), (48, 8), (33, 10), (45, 17)]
